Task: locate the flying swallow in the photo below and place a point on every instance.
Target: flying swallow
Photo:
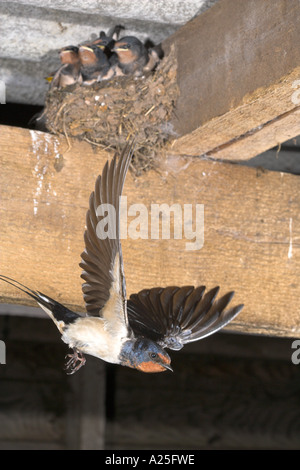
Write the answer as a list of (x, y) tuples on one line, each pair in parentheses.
[(133, 332), (69, 71), (95, 65), (133, 57)]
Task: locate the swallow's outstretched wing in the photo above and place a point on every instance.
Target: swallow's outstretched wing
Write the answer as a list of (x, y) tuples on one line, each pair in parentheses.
[(174, 316), (104, 290)]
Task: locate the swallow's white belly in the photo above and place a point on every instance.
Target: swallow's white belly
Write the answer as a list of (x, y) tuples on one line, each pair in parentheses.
[(93, 336)]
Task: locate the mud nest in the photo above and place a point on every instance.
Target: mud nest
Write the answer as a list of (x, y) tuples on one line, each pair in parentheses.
[(106, 113)]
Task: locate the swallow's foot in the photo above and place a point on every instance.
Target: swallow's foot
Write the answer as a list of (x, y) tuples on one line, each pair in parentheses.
[(75, 362)]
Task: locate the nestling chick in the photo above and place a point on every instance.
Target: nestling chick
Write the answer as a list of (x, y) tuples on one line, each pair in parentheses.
[(133, 57), (69, 72), (94, 64)]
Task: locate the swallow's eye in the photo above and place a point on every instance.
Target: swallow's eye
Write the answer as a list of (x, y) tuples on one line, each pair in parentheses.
[(153, 355)]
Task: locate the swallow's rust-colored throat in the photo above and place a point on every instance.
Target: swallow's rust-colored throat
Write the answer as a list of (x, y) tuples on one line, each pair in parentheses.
[(151, 368), (126, 56)]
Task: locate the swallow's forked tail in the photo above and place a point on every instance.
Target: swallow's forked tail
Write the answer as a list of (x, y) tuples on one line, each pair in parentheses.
[(60, 315)]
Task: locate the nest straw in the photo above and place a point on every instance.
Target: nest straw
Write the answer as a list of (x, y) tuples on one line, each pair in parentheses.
[(106, 113)]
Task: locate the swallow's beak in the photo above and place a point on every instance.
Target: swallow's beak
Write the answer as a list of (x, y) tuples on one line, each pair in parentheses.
[(167, 366), (120, 48), (86, 48)]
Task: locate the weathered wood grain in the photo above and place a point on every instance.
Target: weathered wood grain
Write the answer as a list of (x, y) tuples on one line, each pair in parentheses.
[(231, 137), (251, 228), (238, 75)]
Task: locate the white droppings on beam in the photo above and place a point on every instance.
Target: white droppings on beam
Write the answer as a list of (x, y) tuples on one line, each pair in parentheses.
[(42, 145), (36, 149)]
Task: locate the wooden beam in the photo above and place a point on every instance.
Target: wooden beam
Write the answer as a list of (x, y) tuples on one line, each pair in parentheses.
[(251, 228), (238, 75)]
